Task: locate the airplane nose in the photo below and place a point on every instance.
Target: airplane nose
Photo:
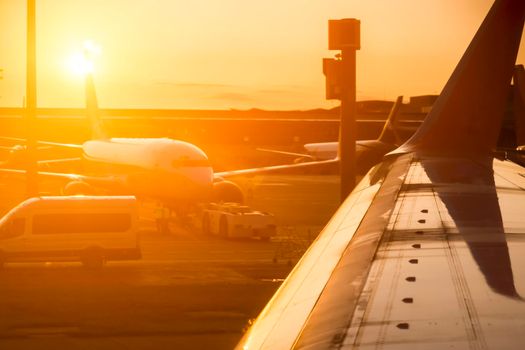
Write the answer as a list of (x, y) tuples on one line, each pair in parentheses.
[(203, 175), (192, 183)]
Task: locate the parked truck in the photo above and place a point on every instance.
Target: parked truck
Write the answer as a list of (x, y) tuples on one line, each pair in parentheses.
[(232, 220)]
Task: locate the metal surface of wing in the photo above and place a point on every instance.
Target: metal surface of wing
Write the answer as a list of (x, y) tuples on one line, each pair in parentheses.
[(427, 252)]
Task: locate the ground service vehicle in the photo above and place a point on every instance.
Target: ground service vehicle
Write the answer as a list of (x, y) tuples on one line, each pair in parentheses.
[(90, 229), (232, 220)]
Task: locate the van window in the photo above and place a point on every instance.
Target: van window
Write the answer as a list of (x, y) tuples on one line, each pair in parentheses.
[(45, 224), (13, 228)]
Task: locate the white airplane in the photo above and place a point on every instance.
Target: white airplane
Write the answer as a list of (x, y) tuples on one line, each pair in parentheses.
[(368, 152), (428, 251), (175, 172)]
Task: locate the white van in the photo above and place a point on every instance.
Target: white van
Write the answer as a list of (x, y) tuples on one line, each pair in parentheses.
[(90, 229)]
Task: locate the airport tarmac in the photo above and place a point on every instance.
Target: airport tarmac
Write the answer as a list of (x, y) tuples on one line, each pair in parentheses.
[(187, 291), (190, 291)]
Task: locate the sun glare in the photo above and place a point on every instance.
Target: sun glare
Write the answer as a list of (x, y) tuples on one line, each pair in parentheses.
[(81, 63)]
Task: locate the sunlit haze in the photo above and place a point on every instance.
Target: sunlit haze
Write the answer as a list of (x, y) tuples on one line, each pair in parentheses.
[(82, 62), (210, 54)]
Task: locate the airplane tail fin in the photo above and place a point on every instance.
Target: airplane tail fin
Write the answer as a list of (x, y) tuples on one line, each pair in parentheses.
[(467, 116), (92, 111), (390, 133)]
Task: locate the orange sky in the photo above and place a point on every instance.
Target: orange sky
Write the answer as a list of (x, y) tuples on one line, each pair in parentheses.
[(210, 54)]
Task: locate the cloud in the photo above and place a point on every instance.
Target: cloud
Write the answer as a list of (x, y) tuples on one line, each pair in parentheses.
[(193, 85), (232, 96)]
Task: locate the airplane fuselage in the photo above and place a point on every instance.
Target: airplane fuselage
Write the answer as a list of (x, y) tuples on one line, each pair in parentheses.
[(367, 152), (322, 150), (161, 168)]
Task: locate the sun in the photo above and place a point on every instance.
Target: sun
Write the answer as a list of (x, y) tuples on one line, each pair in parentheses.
[(81, 63)]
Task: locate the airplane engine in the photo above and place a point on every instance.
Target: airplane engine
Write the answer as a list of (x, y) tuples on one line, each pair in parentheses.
[(78, 188), (227, 191)]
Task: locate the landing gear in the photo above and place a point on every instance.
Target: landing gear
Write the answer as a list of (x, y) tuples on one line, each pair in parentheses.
[(162, 219), (223, 227), (206, 224)]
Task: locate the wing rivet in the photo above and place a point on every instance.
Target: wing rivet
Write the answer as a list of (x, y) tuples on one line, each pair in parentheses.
[(408, 300), (424, 211), (413, 261), (419, 232), (422, 221), (403, 325), (410, 279), (417, 245)]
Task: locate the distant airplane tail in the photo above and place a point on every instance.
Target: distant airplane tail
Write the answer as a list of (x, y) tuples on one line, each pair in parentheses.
[(467, 116), (92, 111), (390, 133)]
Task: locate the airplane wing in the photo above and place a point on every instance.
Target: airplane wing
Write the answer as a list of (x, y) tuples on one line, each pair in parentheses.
[(59, 161), (12, 139), (405, 260), (368, 153), (44, 143), (292, 154), (112, 182), (278, 168), (59, 144), (428, 252)]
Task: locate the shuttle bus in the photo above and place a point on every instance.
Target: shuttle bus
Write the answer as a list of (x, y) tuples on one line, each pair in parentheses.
[(89, 229)]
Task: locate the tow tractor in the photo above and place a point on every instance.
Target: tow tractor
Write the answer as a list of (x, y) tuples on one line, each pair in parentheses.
[(233, 220)]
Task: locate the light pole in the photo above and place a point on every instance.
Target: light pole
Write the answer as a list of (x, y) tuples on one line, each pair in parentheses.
[(344, 35), (30, 115)]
